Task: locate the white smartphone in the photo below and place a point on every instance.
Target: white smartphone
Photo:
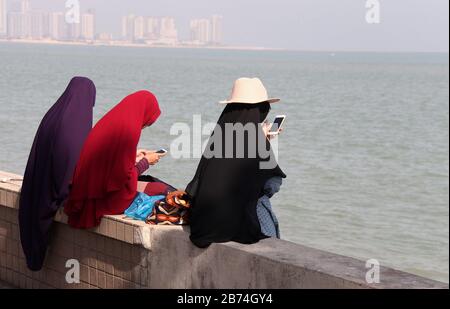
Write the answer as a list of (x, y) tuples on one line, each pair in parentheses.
[(277, 124)]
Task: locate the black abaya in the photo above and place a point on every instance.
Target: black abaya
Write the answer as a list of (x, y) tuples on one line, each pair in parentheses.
[(225, 190)]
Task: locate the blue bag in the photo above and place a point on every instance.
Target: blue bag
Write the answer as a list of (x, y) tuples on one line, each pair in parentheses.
[(142, 206)]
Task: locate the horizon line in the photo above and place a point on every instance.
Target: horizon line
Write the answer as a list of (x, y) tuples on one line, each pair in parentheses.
[(222, 47)]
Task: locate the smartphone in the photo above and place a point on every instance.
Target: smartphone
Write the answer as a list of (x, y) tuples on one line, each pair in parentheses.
[(276, 125), (162, 151)]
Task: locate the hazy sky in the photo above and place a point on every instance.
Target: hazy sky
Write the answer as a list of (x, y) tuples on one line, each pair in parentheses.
[(406, 25)]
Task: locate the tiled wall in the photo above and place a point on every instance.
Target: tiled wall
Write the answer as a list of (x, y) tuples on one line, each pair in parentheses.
[(110, 256), (104, 262)]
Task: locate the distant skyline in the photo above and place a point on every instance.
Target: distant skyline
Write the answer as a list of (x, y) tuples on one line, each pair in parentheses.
[(322, 25)]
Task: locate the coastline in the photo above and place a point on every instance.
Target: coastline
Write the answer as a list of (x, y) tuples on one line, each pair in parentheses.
[(136, 45), (212, 47)]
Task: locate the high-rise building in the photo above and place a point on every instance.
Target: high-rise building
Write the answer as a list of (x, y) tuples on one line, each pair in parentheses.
[(128, 27), (25, 23), (3, 17), (200, 31), (153, 28), (139, 28), (14, 24), (18, 25), (207, 31), (88, 26), (73, 31), (36, 24), (46, 24), (57, 26), (168, 33), (216, 29)]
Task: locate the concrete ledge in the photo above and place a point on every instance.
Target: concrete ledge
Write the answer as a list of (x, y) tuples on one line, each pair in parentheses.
[(124, 253)]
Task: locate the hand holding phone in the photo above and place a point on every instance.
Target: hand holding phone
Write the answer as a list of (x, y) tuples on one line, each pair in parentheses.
[(140, 154), (276, 125)]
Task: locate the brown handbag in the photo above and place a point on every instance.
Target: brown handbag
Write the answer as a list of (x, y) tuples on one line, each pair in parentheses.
[(174, 210)]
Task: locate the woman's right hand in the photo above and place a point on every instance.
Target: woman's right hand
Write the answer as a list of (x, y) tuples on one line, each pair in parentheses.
[(153, 157), (140, 154)]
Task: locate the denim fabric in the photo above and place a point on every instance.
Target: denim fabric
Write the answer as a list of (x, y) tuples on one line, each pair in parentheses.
[(267, 218)]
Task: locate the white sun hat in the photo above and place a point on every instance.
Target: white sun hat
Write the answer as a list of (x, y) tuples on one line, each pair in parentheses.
[(249, 91)]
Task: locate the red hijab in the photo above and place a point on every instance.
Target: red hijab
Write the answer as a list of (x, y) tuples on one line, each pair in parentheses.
[(105, 178)]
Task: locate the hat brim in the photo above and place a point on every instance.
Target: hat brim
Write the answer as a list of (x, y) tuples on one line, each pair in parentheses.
[(272, 100)]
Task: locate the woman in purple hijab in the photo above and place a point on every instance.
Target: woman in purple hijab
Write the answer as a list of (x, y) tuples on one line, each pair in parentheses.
[(54, 154)]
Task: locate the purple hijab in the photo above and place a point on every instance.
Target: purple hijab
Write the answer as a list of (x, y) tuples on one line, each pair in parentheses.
[(54, 154)]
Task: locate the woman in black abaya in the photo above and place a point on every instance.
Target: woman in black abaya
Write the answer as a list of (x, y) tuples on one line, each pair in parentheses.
[(225, 191)]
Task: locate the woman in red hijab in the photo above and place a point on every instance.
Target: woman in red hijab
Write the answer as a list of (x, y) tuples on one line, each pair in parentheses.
[(106, 176)]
